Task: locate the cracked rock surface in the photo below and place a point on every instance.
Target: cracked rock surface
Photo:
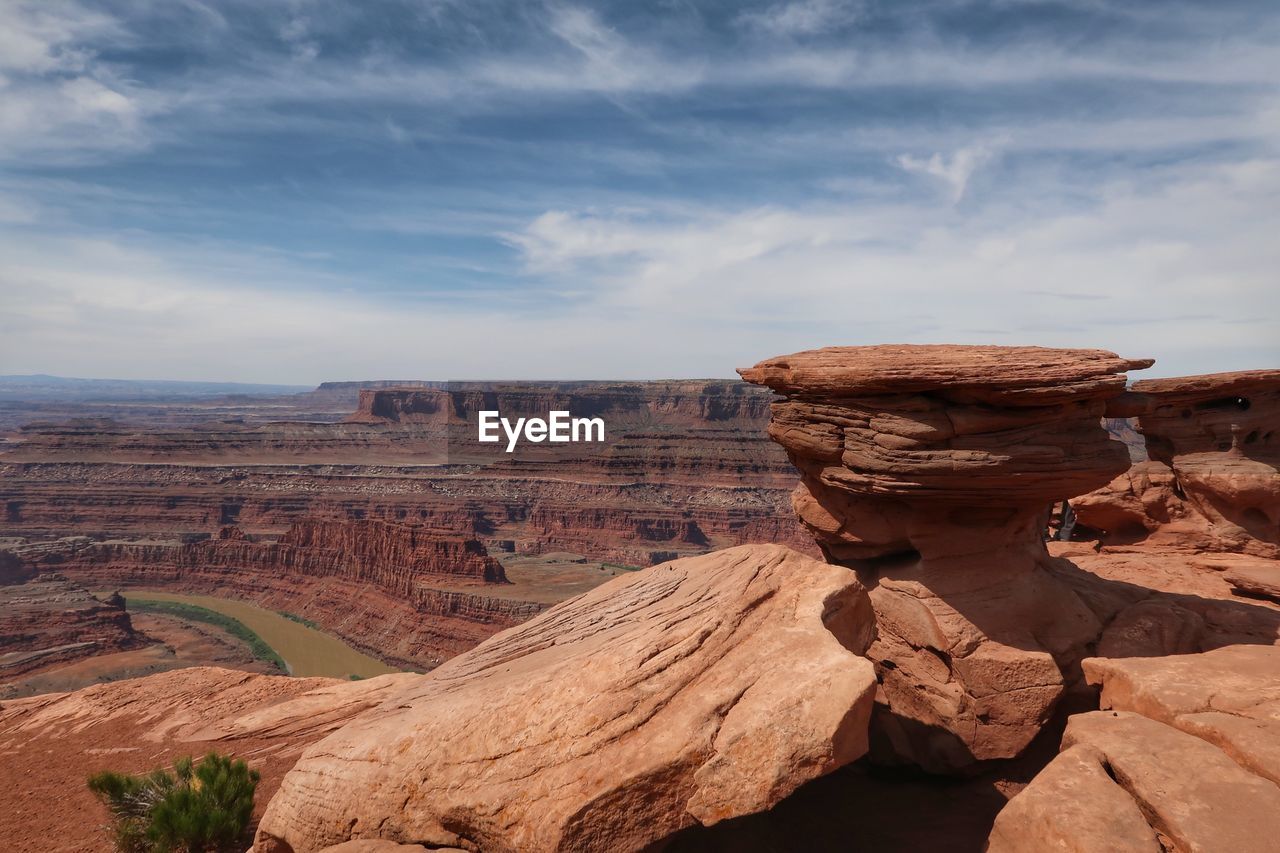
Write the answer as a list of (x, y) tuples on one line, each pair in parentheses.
[(691, 692), (1185, 756)]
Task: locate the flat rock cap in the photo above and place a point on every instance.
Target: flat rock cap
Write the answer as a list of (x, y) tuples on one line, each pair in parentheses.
[(1211, 384), (899, 368)]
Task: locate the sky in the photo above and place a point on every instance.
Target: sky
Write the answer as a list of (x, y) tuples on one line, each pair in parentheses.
[(313, 190)]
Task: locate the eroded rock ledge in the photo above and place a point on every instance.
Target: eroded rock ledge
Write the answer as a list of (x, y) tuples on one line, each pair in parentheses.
[(695, 691), (931, 470), (1213, 479)]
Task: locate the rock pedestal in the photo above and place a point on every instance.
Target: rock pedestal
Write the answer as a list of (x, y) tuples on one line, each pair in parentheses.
[(931, 470)]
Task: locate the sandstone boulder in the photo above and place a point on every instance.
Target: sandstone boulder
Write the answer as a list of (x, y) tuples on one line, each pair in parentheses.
[(932, 469), (1229, 697), (694, 691), (1184, 756), (1259, 579), (1182, 794), (1152, 628), (376, 846), (1074, 805)]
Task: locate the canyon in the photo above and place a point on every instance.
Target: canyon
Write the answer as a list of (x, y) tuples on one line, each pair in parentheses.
[(374, 511), (862, 614)]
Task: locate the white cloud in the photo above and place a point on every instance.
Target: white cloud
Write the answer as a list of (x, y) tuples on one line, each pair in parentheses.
[(1176, 262), (952, 171), (1179, 267), (43, 37), (803, 17), (1132, 272), (599, 60), (56, 97)]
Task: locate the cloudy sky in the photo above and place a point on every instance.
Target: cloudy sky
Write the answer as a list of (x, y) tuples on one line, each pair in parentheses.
[(301, 191)]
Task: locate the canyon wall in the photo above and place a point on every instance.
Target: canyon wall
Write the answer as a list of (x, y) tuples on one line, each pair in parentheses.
[(49, 620), (410, 595), (687, 468)]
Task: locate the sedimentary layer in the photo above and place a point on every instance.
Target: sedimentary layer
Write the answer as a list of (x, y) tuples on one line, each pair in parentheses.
[(409, 594), (931, 470), (1213, 479), (686, 468), (49, 620)]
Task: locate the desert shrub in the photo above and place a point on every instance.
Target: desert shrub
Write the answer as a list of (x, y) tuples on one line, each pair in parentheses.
[(301, 620), (198, 808)]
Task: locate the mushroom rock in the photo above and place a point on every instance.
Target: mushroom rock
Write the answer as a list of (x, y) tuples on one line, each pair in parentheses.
[(691, 692), (931, 470), (1214, 478)]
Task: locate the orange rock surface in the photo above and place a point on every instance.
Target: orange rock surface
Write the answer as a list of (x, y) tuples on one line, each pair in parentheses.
[(1185, 758), (691, 692), (1214, 479), (931, 469), (49, 744)]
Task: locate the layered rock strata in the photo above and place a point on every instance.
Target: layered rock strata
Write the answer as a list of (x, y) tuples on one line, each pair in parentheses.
[(691, 692), (409, 594), (686, 468), (50, 620), (1184, 756), (931, 469), (1213, 482)]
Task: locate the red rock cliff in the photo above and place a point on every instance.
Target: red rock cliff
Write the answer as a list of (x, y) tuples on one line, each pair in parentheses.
[(410, 595)]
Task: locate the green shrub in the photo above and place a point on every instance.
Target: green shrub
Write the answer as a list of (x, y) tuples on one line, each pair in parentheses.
[(301, 620), (198, 808)]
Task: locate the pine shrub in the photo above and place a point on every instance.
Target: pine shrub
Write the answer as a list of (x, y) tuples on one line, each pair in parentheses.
[(198, 808)]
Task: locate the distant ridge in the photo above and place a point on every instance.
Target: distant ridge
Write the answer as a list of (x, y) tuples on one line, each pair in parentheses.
[(40, 386)]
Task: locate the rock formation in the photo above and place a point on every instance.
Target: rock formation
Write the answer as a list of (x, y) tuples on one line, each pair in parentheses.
[(1213, 481), (1186, 756), (395, 553), (410, 594), (50, 620), (931, 470), (694, 691), (687, 468), (13, 570)]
